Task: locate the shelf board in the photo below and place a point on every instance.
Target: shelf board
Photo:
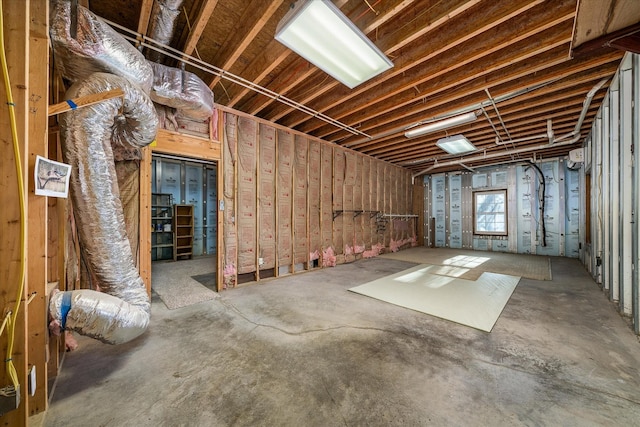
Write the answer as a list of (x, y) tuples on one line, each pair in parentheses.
[(166, 245)]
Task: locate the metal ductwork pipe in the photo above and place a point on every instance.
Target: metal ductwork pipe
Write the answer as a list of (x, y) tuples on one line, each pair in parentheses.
[(95, 47), (575, 136), (121, 310), (162, 24)]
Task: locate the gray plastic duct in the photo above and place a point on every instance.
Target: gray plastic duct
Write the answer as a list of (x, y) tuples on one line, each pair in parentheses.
[(182, 90), (162, 23), (120, 312), (96, 47)]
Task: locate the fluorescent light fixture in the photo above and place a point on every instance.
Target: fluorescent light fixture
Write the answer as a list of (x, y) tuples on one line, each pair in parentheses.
[(456, 144), (442, 124), (320, 33)]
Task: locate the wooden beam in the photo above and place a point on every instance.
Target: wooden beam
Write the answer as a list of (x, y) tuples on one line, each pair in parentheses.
[(184, 145), (252, 21), (37, 217), (199, 25), (467, 42), (145, 16), (144, 229), (84, 101), (15, 16), (424, 23), (529, 73)]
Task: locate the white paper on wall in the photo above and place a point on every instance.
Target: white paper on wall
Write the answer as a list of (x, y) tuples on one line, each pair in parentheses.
[(479, 180), (499, 179)]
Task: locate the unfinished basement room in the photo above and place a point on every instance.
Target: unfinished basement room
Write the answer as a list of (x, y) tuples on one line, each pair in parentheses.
[(320, 213)]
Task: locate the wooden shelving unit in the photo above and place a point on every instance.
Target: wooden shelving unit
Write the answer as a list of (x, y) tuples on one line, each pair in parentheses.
[(183, 236), (162, 240)]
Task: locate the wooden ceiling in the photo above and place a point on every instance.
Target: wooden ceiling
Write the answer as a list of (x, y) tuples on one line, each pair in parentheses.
[(449, 56)]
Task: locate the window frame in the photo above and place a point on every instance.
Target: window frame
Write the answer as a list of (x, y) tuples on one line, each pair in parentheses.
[(475, 213)]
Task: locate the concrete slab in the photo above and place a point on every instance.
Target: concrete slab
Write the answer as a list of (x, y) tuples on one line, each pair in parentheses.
[(302, 350)]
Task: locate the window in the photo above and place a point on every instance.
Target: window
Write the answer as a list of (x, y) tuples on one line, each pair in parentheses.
[(490, 212)]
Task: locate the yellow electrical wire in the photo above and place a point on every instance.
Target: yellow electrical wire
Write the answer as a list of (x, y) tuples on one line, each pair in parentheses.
[(11, 370)]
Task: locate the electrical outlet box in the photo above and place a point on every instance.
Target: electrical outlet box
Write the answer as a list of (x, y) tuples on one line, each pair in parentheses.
[(9, 399)]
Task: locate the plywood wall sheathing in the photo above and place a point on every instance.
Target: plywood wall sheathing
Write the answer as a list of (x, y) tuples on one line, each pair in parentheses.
[(285, 201), (300, 240), (230, 248), (267, 197), (246, 195)]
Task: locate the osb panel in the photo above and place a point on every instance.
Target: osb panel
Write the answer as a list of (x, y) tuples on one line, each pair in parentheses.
[(284, 197), (315, 165), (300, 240), (326, 194), (267, 197)]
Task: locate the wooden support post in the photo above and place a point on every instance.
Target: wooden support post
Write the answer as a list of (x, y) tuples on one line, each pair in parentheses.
[(16, 35), (37, 213), (220, 216), (144, 228), (258, 187), (276, 204)]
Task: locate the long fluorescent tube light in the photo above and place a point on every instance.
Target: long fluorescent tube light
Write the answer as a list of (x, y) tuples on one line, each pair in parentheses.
[(319, 32), (442, 124), (456, 144)]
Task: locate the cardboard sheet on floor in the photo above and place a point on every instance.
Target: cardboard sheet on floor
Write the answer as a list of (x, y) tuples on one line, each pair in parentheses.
[(475, 303)]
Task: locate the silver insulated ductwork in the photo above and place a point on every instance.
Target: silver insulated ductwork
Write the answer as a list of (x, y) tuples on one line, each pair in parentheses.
[(84, 44), (120, 312), (162, 23)]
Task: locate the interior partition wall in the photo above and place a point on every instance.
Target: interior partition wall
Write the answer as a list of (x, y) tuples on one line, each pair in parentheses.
[(611, 158)]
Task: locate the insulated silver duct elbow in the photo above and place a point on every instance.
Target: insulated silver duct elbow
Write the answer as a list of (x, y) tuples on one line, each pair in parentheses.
[(162, 23), (120, 312), (182, 90), (88, 45)]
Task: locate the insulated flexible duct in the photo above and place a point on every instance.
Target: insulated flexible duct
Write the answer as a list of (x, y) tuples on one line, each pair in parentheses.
[(162, 23), (120, 312), (182, 90), (87, 45)]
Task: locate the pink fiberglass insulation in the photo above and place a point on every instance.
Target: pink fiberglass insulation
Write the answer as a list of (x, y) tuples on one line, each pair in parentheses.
[(328, 257)]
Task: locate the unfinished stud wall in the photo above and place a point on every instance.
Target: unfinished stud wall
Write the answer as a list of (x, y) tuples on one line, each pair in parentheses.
[(611, 178), (294, 203)]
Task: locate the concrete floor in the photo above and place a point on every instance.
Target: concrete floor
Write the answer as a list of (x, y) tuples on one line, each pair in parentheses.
[(303, 351)]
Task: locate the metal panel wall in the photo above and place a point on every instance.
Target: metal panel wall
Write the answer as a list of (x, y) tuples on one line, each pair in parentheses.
[(449, 200), (439, 209), (572, 213), (455, 211), (626, 184), (615, 191)]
